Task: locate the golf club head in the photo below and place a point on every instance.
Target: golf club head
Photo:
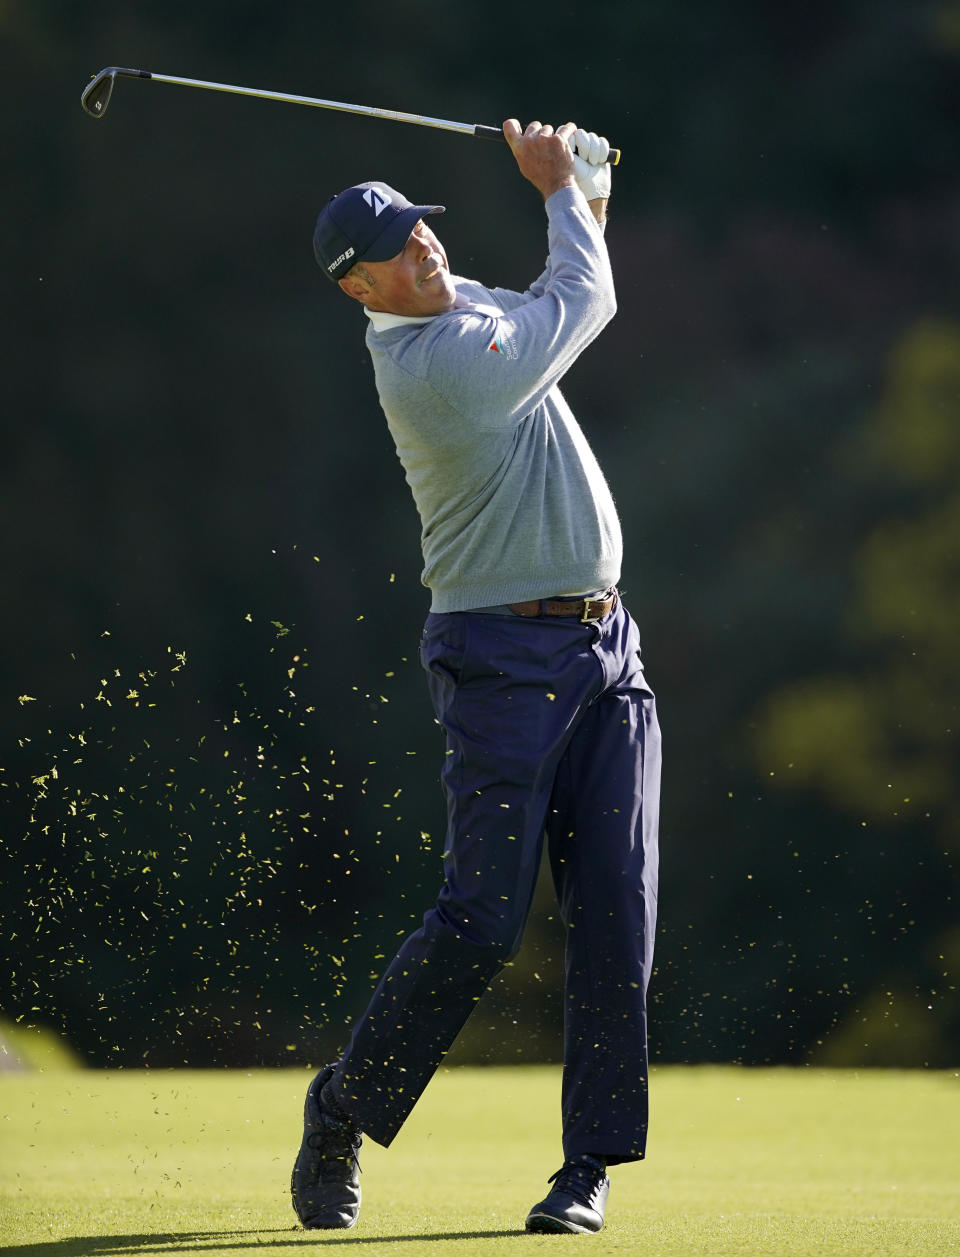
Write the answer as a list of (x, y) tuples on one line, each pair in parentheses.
[(96, 95)]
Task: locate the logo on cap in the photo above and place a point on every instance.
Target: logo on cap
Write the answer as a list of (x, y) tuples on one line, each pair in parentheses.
[(377, 200), (342, 258)]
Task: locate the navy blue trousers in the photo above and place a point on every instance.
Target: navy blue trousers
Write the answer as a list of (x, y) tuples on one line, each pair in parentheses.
[(551, 732)]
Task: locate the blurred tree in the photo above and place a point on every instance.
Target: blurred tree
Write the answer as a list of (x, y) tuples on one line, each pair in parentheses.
[(880, 739)]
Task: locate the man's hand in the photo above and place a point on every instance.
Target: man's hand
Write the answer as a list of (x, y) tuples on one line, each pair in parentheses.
[(543, 155)]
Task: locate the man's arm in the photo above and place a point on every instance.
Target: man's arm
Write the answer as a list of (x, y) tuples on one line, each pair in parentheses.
[(494, 370)]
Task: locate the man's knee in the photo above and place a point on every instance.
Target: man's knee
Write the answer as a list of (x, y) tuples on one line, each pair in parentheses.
[(493, 935)]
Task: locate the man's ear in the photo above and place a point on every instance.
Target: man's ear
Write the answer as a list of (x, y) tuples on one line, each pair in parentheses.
[(354, 287)]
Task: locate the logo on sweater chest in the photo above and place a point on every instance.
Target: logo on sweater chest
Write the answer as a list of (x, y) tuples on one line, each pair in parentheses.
[(500, 345)]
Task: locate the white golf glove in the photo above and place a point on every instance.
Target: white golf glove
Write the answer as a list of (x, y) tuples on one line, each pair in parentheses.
[(591, 169)]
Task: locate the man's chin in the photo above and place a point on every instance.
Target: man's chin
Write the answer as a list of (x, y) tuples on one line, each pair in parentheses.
[(438, 293)]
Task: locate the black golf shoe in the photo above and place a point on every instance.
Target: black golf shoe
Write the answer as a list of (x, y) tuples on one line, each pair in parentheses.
[(577, 1201), (325, 1184)]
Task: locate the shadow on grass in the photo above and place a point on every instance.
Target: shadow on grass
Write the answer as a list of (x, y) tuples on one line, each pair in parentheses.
[(214, 1241)]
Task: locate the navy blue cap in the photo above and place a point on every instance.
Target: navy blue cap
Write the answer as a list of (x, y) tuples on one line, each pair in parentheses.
[(370, 222)]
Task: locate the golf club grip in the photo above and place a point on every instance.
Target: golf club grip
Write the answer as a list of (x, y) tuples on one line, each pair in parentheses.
[(494, 133)]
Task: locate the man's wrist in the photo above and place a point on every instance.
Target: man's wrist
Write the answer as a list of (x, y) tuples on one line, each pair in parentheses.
[(564, 182), (598, 208)]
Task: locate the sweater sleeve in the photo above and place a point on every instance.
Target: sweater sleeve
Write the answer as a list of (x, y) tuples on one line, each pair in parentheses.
[(495, 369), (508, 299)]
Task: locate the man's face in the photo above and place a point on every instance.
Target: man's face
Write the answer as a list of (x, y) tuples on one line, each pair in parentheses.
[(416, 282)]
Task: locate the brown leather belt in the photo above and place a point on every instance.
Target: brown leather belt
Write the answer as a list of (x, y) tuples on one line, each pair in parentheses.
[(585, 609)]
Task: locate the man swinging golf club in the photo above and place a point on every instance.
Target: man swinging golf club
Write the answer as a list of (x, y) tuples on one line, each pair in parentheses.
[(534, 669)]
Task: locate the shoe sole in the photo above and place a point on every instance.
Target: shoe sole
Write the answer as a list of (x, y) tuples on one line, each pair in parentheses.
[(328, 1226), (547, 1224)]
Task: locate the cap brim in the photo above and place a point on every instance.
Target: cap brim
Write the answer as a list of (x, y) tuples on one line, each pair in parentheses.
[(392, 239)]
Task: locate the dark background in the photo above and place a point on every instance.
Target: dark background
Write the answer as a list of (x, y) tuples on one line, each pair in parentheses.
[(220, 806)]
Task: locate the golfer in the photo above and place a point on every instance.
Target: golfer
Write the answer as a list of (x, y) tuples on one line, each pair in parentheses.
[(534, 670)]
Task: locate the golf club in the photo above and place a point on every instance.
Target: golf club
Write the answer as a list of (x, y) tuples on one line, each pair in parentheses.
[(96, 97)]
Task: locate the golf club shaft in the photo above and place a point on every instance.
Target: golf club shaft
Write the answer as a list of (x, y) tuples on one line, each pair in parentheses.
[(390, 115)]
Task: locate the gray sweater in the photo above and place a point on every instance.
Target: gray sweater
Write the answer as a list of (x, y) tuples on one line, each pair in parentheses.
[(512, 502)]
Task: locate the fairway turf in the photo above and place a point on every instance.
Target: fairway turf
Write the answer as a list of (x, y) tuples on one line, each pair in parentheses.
[(742, 1162)]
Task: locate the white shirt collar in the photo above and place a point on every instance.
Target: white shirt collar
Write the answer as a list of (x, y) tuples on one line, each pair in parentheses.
[(382, 321)]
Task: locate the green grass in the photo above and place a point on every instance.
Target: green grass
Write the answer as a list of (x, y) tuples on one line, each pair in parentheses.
[(745, 1162)]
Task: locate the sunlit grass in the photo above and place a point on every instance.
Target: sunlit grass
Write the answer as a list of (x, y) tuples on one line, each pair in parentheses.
[(743, 1162)]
